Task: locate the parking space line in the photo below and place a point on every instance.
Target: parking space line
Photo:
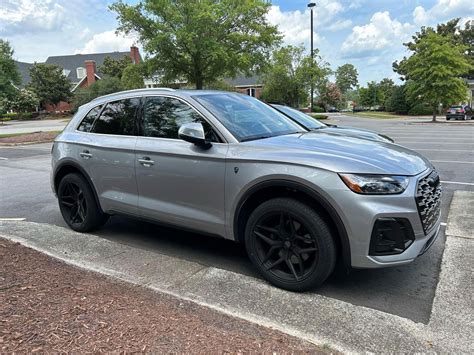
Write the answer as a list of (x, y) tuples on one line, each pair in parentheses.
[(437, 143), (2, 158), (452, 161), (458, 183), (446, 150), (12, 219)]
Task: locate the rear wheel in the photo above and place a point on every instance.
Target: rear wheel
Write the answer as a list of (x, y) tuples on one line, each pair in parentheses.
[(78, 205), (290, 244)]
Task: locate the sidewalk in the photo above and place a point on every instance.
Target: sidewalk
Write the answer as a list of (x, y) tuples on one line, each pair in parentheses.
[(48, 306)]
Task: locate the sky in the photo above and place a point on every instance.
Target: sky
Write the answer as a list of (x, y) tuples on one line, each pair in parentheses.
[(367, 34)]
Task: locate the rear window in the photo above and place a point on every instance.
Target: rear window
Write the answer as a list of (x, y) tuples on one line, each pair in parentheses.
[(88, 121), (118, 118)]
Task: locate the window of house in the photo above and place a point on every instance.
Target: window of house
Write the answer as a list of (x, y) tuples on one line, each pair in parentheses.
[(88, 121), (162, 117), (81, 72), (66, 72), (251, 92), (118, 117)]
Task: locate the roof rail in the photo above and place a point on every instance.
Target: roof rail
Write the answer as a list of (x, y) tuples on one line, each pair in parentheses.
[(132, 91)]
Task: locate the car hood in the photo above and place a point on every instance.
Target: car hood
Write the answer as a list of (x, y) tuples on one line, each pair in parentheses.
[(357, 132), (338, 153)]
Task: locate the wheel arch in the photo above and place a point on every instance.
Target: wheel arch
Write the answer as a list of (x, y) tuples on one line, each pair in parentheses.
[(279, 187), (68, 167)]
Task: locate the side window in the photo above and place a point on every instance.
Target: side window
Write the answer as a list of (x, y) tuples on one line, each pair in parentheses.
[(118, 117), (88, 121), (162, 117)]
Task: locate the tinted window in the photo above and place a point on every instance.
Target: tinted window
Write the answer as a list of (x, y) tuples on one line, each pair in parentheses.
[(162, 117), (246, 117), (300, 117), (88, 121), (118, 117)]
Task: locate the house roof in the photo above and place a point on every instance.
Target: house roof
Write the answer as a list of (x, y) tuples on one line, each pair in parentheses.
[(71, 62), (242, 80), (24, 69)]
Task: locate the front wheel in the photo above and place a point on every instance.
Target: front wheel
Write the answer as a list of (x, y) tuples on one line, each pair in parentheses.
[(78, 205), (290, 244)]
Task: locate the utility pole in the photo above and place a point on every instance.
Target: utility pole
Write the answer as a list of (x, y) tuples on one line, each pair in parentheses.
[(311, 5)]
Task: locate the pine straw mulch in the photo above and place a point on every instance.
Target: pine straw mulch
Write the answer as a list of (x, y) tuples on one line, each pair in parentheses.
[(49, 306)]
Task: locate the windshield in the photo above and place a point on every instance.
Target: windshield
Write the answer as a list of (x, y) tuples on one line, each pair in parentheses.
[(246, 117), (300, 117)]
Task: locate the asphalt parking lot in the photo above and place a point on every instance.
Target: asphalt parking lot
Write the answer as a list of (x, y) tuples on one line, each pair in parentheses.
[(407, 291)]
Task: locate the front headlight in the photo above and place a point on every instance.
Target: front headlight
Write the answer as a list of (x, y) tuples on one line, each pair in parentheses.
[(375, 184)]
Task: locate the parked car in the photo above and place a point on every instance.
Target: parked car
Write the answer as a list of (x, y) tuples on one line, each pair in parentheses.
[(332, 109), (459, 112), (313, 124), (229, 165)]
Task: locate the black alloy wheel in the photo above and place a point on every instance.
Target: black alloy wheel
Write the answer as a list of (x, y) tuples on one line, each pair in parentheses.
[(73, 202), (290, 244), (78, 204)]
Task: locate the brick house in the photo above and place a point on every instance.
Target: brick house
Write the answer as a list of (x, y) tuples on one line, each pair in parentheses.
[(80, 69)]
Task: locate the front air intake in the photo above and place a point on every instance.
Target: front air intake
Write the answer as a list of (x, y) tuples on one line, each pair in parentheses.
[(391, 236)]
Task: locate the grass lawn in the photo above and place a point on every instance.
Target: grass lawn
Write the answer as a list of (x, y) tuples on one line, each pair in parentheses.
[(376, 114)]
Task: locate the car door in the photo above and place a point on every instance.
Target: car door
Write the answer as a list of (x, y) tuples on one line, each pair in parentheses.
[(109, 156), (179, 183)]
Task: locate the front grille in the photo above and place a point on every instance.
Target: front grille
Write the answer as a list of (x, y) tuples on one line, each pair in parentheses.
[(428, 200)]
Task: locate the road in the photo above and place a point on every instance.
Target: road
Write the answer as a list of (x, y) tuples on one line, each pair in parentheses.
[(18, 127), (406, 291)]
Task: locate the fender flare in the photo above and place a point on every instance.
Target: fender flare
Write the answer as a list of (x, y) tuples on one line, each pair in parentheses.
[(339, 224)]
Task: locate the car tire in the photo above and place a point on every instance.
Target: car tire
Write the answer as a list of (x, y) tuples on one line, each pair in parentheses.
[(78, 205), (290, 244), (447, 118)]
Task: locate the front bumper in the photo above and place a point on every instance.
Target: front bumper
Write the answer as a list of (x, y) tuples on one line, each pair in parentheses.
[(360, 213)]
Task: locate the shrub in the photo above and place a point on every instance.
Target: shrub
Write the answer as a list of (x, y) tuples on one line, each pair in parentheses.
[(319, 117), (420, 109), (318, 109)]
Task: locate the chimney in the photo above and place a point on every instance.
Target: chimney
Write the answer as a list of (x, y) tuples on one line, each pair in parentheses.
[(90, 70), (134, 55)]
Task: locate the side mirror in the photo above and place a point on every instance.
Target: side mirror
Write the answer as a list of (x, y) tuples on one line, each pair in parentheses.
[(194, 133)]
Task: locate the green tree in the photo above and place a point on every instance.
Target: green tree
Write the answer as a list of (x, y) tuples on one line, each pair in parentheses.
[(50, 84), (201, 41), (9, 75), (371, 95), (132, 77), (288, 76), (435, 69), (386, 88), (398, 102), (105, 86), (114, 67), (346, 77)]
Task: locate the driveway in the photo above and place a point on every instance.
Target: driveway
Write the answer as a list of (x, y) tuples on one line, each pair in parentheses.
[(407, 291)]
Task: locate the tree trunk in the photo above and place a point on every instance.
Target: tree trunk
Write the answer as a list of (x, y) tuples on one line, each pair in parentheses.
[(434, 114), (199, 83)]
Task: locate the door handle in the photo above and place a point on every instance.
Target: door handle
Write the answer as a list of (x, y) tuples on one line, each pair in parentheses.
[(146, 161), (85, 154)]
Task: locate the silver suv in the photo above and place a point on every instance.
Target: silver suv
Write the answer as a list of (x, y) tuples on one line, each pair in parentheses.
[(232, 166)]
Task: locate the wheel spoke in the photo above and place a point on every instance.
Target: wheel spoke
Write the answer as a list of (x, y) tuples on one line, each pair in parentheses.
[(268, 229), (292, 268), (307, 250), (67, 204), (266, 239), (270, 252), (300, 264), (272, 265)]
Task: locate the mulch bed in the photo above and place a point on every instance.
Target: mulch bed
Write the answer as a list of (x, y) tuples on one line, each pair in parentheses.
[(49, 306), (30, 137)]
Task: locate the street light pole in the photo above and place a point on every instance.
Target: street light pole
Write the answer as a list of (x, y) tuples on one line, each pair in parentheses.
[(311, 5)]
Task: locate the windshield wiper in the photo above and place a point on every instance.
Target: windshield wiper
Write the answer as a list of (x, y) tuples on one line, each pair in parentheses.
[(255, 138)]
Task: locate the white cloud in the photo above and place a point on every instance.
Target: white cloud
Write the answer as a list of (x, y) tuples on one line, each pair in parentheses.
[(379, 34), (25, 16), (443, 10), (107, 41), (340, 25), (356, 4), (295, 25)]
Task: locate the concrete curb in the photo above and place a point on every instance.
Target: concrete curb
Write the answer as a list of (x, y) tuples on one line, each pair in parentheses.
[(318, 319), (24, 143)]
